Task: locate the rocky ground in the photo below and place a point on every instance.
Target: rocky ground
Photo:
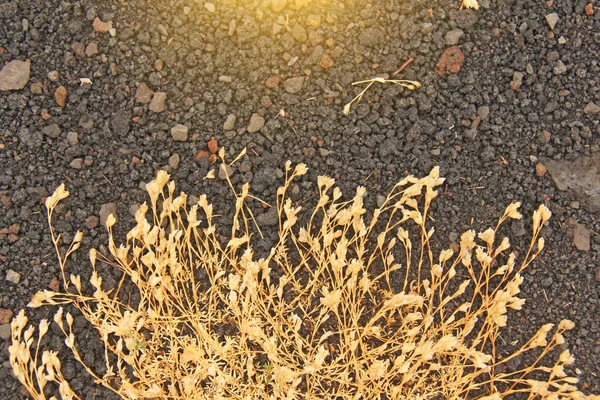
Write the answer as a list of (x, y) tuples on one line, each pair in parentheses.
[(99, 94)]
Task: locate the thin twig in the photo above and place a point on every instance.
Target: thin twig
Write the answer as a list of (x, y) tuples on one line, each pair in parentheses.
[(107, 180), (406, 63)]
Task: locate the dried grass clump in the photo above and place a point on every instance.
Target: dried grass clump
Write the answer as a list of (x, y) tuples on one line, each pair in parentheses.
[(330, 313)]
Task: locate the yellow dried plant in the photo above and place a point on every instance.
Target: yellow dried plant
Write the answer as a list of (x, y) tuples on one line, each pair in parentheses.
[(410, 85), (352, 305), (470, 4)]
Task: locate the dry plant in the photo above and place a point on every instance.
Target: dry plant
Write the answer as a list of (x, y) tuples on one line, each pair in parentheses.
[(349, 306), (469, 4), (410, 85)]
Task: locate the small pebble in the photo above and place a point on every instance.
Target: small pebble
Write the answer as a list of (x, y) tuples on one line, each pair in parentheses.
[(14, 75), (37, 88), (53, 76), (256, 123), (278, 5), (225, 171), (100, 26), (107, 209), (79, 49), (589, 10), (540, 169), (52, 131), (294, 85), (452, 37), (483, 112), (91, 222), (133, 209), (246, 166), (314, 20), (272, 82), (581, 237), (179, 133), (157, 104), (77, 163), (91, 49), (229, 124), (174, 161), (591, 108), (560, 68), (6, 315), (143, 94), (60, 95), (13, 276), (5, 332), (552, 20), (213, 146)]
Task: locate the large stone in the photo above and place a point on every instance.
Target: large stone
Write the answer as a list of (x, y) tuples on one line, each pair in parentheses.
[(580, 178), (15, 75)]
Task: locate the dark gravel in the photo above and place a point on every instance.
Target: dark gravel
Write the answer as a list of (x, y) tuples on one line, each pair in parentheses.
[(517, 102)]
